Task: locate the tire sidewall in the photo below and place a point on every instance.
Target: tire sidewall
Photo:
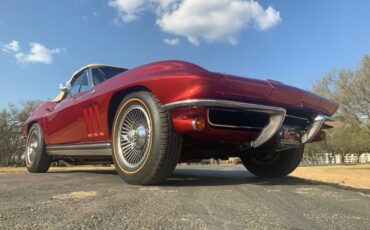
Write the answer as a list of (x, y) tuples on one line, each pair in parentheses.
[(143, 171), (32, 167), (287, 161)]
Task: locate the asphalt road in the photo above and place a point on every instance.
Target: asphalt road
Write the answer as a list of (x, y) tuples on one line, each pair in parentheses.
[(200, 197)]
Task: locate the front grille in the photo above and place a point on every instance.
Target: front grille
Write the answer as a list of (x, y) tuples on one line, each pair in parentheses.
[(244, 119), (301, 122), (240, 119)]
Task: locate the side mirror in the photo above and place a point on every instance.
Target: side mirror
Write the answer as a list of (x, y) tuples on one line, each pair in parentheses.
[(64, 87)]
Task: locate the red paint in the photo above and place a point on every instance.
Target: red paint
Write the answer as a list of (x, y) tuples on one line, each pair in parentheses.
[(84, 117), (87, 123), (97, 118), (183, 124)]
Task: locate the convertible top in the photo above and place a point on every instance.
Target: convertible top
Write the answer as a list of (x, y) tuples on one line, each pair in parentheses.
[(61, 94)]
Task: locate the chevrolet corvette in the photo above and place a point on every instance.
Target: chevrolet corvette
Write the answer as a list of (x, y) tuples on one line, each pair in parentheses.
[(147, 119)]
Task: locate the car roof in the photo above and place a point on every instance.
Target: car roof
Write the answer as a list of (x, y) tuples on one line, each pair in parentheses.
[(93, 66), (60, 96)]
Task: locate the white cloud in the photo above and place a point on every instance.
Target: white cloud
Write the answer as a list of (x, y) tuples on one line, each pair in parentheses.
[(162, 6), (12, 46), (128, 10), (267, 18), (164, 3), (172, 42), (201, 20), (38, 52), (220, 20)]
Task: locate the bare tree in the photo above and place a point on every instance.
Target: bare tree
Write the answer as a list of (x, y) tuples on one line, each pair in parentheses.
[(351, 89), (12, 144)]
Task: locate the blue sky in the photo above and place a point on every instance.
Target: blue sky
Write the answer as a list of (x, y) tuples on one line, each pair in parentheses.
[(294, 42)]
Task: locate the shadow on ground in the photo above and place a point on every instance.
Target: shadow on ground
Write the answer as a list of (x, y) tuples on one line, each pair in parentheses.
[(214, 177), (187, 177), (89, 171)]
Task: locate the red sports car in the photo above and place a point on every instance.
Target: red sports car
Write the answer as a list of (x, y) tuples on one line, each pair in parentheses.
[(149, 118)]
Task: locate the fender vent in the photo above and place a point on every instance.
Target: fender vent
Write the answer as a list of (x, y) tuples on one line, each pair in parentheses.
[(92, 121)]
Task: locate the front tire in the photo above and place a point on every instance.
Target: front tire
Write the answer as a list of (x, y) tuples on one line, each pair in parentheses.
[(36, 158), (275, 164), (145, 147)]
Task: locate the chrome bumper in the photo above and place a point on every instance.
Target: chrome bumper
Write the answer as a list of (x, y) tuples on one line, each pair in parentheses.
[(277, 116), (317, 124)]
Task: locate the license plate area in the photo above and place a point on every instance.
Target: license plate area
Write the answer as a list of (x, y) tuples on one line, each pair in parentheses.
[(289, 136)]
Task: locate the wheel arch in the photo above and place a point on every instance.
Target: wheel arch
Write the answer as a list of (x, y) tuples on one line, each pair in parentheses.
[(29, 125), (42, 126), (116, 100)]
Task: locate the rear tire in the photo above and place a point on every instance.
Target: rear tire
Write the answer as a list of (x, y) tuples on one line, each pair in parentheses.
[(36, 158), (145, 147), (277, 164)]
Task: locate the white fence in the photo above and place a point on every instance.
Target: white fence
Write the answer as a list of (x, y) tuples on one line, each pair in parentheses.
[(325, 158), (349, 158), (365, 158)]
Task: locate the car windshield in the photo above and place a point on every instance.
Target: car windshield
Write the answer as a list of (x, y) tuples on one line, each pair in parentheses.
[(104, 73)]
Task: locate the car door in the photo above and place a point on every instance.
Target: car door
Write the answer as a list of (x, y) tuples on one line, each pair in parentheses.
[(94, 105), (65, 123), (88, 127)]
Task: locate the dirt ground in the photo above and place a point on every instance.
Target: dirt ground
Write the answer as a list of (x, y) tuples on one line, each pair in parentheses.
[(356, 176)]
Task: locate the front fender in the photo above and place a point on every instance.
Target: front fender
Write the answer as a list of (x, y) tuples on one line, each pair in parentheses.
[(38, 115)]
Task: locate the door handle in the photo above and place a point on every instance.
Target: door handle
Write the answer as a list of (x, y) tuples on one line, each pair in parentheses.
[(93, 91), (50, 109)]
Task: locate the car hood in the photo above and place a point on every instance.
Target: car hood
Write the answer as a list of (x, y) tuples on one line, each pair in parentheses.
[(276, 93)]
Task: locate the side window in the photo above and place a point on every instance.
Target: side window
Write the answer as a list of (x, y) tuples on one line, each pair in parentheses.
[(102, 74), (75, 87), (81, 84), (84, 84)]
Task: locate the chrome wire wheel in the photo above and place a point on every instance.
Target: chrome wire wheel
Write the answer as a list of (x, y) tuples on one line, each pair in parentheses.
[(32, 144), (134, 136), (145, 147)]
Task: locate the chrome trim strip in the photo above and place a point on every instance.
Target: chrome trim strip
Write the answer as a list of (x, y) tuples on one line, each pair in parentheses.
[(222, 103), (300, 118), (95, 149), (315, 128), (277, 114)]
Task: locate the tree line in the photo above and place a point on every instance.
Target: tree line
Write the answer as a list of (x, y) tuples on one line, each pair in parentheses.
[(12, 143), (351, 90)]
